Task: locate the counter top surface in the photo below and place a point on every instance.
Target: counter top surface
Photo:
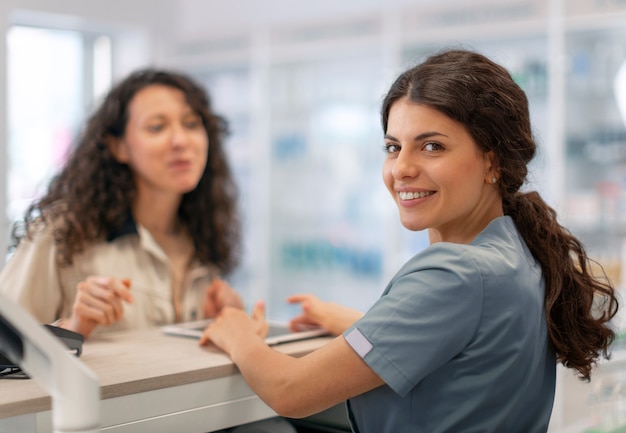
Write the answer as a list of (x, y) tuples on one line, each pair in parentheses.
[(131, 362)]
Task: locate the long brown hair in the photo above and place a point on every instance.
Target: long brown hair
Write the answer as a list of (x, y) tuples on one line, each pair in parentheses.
[(92, 194), (480, 94)]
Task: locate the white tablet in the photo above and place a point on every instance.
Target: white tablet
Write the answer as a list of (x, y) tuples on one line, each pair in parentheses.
[(279, 332)]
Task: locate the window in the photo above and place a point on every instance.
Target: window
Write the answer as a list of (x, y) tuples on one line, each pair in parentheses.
[(53, 77)]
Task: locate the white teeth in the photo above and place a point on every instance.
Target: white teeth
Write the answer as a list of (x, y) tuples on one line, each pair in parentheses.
[(413, 195)]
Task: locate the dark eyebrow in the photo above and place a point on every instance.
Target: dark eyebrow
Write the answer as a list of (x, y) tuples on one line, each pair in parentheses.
[(420, 137)]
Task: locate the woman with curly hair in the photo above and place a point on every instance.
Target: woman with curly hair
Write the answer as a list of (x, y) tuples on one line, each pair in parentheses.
[(467, 335), (140, 223)]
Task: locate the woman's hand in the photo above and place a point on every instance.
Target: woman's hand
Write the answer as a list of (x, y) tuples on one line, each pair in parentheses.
[(233, 326), (98, 302), (220, 294), (332, 317)]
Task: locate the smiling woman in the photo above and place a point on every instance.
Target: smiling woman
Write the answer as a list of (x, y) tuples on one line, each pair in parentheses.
[(467, 335)]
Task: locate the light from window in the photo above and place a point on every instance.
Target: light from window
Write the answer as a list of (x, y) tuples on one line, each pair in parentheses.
[(102, 68), (45, 105)]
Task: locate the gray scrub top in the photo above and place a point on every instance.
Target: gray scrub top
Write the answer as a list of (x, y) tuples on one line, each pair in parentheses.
[(459, 336)]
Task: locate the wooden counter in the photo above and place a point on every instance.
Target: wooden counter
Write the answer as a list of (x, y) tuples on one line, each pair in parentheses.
[(151, 382)]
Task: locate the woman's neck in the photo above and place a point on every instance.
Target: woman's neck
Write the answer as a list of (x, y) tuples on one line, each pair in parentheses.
[(157, 214)]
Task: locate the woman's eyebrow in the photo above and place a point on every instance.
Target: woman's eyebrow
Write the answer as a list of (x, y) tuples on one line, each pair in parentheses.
[(419, 137)]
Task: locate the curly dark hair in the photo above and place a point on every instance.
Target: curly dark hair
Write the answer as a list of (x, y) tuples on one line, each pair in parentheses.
[(480, 94), (92, 194)]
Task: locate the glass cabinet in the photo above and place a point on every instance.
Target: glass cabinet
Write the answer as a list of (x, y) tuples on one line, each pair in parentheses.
[(595, 119)]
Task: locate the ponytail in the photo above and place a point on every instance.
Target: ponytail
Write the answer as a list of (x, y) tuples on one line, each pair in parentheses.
[(578, 304)]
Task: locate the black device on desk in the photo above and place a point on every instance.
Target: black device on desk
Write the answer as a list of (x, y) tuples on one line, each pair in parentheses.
[(73, 341), (37, 350)]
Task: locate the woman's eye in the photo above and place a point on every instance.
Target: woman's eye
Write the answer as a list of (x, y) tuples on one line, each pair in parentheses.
[(391, 148), (155, 128), (432, 147), (193, 124)]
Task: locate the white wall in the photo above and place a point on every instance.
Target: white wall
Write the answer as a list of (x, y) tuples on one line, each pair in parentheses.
[(207, 18)]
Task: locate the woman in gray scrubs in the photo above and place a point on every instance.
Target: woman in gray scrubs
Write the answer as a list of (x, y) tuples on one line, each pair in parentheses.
[(467, 334)]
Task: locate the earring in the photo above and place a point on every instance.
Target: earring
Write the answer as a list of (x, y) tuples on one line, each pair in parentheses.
[(494, 179)]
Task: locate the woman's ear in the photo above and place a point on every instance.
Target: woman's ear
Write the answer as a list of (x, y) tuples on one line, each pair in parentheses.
[(118, 148), (493, 172)]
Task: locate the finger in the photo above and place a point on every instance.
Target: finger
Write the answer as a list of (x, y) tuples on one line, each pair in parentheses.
[(302, 318), (121, 289), (100, 299), (111, 307), (295, 299), (204, 339), (228, 296), (113, 285), (89, 313), (90, 309), (258, 312), (210, 294), (220, 294), (295, 323), (210, 308), (304, 326), (214, 286), (106, 295), (118, 309), (258, 315), (301, 323)]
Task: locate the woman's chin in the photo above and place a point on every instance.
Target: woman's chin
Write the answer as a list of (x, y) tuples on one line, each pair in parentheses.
[(414, 226)]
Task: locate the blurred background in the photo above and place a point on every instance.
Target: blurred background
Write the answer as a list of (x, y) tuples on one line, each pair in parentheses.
[(301, 84)]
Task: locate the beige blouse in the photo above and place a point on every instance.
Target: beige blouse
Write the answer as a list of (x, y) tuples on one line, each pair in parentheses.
[(33, 279)]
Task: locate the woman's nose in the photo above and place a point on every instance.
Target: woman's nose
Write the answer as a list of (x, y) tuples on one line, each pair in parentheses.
[(180, 136), (406, 165)]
